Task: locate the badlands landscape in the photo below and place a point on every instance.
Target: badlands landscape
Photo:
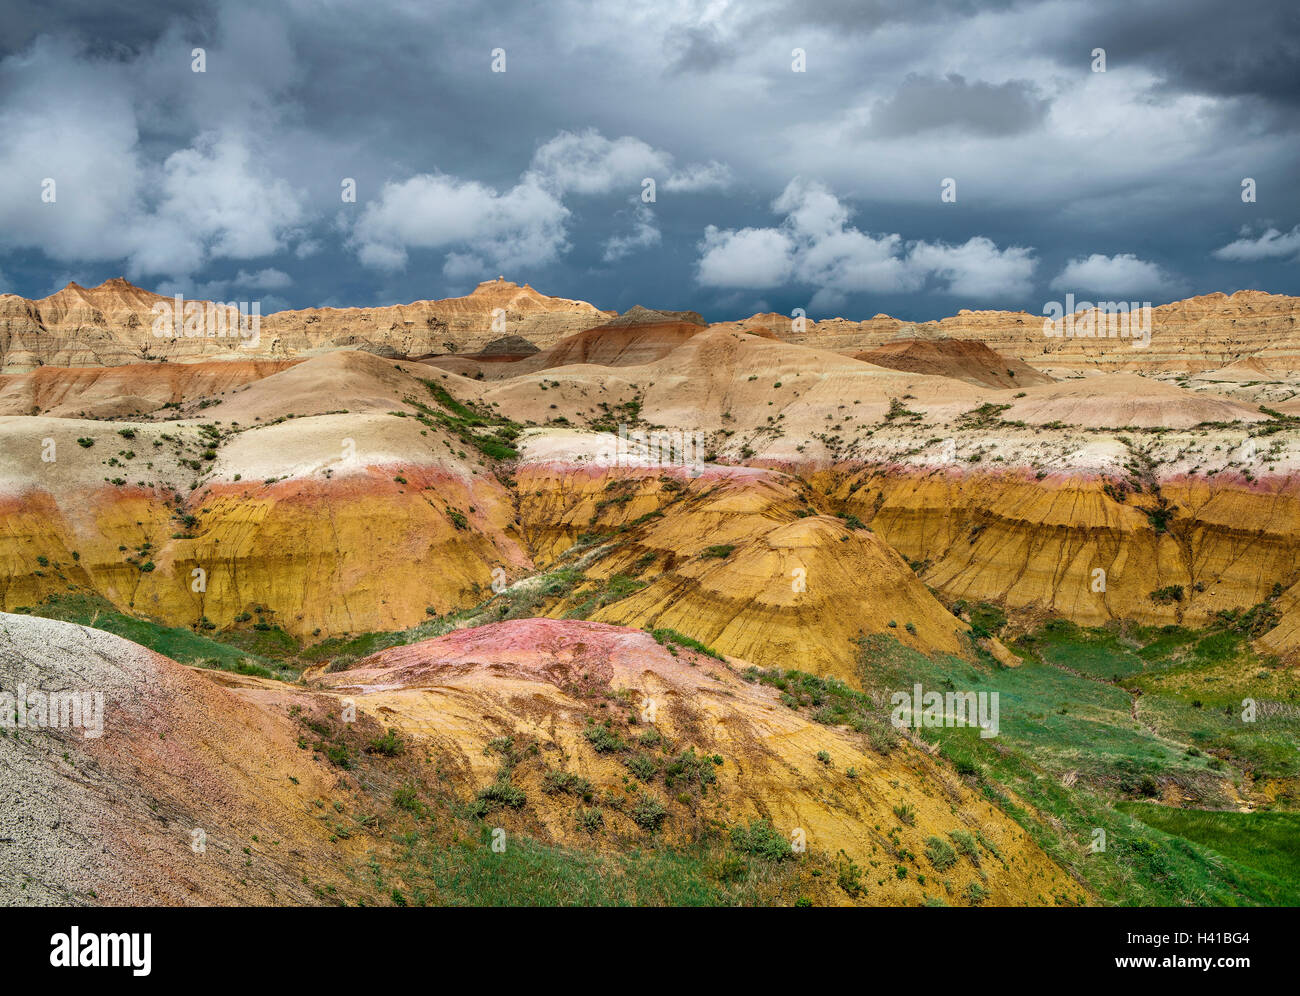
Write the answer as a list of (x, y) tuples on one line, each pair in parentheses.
[(508, 599)]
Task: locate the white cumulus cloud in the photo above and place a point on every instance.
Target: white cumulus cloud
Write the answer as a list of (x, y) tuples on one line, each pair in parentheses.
[(587, 162), (1116, 275), (816, 246), (522, 226), (645, 234), (748, 258), (1271, 244), (525, 225)]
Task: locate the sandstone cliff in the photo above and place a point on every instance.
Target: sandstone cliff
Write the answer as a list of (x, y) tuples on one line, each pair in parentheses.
[(114, 324)]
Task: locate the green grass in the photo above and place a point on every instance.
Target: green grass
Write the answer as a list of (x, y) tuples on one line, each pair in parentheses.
[(444, 398), (1268, 843), (612, 589), (177, 642), (532, 873), (1060, 720), (1069, 748), (354, 647), (270, 642), (268, 652), (671, 639), (491, 435), (828, 701), (1092, 653), (443, 854)]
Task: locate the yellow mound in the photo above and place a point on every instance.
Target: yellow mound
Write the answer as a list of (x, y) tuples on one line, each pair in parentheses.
[(726, 559)]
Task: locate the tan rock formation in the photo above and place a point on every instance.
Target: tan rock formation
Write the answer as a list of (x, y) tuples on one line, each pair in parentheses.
[(1197, 334), (114, 324)]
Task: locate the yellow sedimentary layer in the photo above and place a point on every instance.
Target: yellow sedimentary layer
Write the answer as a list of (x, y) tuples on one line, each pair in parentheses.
[(456, 702), (1038, 544), (730, 562), (344, 557), (366, 552)]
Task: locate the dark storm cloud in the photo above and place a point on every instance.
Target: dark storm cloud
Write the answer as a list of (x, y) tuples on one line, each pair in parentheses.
[(193, 180), (121, 28), (865, 16), (696, 49), (1205, 46), (924, 102)]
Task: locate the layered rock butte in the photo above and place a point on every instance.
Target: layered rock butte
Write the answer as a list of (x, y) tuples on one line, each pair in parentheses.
[(1018, 503), (114, 324), (848, 480)]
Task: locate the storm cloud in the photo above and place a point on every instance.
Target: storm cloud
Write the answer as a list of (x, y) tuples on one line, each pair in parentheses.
[(843, 157)]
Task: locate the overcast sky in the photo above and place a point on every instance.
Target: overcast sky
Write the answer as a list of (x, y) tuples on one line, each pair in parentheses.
[(774, 189)]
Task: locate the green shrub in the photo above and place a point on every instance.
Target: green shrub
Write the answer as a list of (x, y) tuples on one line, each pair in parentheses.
[(691, 769), (850, 875), (649, 814), (566, 782), (940, 853), (390, 744), (643, 765), (502, 793), (761, 840), (670, 638), (603, 740), (591, 820), (1167, 595), (966, 845)]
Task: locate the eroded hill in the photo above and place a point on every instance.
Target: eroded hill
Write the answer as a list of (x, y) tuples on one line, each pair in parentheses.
[(514, 547)]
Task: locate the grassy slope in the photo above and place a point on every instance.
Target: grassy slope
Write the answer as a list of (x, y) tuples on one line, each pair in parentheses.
[(437, 848), (177, 642), (1070, 747), (1268, 843), (1066, 717)]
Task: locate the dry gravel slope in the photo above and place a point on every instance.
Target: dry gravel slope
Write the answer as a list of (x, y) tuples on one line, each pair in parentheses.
[(109, 819)]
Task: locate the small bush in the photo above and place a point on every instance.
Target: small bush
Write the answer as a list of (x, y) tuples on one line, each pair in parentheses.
[(566, 782), (940, 853), (1167, 595), (406, 798), (976, 894), (850, 876), (603, 740), (761, 840), (966, 845), (390, 744), (649, 814), (502, 793), (643, 765), (591, 820)]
